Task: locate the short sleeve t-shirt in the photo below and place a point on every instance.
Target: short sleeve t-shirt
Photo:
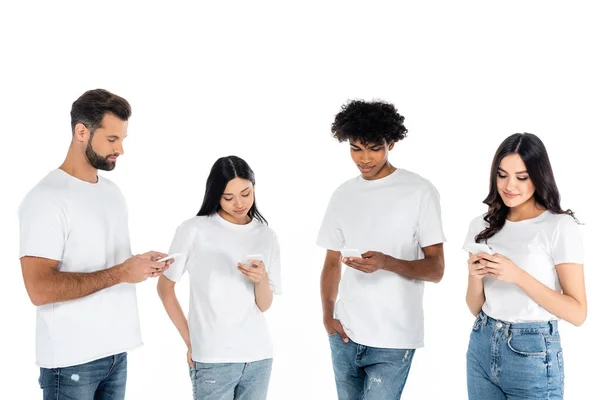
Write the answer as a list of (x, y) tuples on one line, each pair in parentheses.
[(84, 226), (536, 245), (226, 325), (397, 215)]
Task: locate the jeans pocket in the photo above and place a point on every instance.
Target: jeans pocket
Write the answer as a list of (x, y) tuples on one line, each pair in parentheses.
[(477, 324), (528, 344), (193, 371)]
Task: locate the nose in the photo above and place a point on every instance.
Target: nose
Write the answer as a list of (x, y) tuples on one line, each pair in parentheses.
[(365, 157), (119, 150), (511, 184), (237, 203)]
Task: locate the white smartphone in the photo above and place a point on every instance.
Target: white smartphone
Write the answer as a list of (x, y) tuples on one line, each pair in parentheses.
[(169, 257), (351, 253), (248, 257), (476, 248)]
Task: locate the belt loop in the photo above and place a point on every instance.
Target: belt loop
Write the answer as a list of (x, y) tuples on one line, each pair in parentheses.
[(553, 327), (484, 318)]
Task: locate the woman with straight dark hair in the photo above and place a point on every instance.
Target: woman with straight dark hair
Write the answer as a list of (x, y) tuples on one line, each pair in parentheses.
[(232, 257), (529, 276)]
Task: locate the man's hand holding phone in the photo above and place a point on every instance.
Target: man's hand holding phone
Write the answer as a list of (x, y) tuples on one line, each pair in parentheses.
[(368, 262)]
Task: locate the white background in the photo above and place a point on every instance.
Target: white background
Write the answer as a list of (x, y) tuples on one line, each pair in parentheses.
[(263, 81)]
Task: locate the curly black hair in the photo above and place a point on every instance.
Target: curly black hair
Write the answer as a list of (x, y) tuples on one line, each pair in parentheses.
[(368, 122)]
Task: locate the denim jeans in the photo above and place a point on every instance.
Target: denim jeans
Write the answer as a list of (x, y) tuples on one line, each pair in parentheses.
[(102, 379), (514, 361), (228, 381), (368, 373)]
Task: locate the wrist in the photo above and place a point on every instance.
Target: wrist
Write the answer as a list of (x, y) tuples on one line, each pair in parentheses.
[(387, 261), (264, 280), (520, 277), (118, 273)]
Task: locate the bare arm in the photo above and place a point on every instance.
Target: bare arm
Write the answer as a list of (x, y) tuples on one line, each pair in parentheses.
[(166, 292), (571, 305), (45, 284), (475, 294), (330, 280), (263, 294), (431, 268)]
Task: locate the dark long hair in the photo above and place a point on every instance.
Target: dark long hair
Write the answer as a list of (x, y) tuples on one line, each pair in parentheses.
[(224, 170), (535, 157)]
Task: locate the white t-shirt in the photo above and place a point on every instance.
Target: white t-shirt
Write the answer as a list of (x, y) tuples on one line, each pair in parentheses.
[(397, 215), (84, 227), (536, 245), (225, 323)]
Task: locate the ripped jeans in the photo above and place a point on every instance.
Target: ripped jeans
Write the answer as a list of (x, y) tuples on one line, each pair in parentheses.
[(229, 381), (102, 379), (514, 361), (369, 373)]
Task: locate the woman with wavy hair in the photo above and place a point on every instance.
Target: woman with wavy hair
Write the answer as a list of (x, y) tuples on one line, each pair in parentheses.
[(532, 276)]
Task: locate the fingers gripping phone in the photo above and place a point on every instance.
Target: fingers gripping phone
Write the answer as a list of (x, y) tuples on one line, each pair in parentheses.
[(354, 253), (169, 257), (248, 257), (476, 248)]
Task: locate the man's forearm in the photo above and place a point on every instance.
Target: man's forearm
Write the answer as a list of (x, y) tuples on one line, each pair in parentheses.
[(330, 279), (427, 269), (58, 286)]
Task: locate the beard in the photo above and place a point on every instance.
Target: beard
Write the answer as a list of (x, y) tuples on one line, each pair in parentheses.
[(97, 161)]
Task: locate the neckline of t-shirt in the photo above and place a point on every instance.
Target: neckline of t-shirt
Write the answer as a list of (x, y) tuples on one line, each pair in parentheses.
[(529, 220), (79, 181), (230, 225), (379, 181)]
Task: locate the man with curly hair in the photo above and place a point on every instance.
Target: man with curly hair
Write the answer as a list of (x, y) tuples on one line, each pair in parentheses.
[(393, 218)]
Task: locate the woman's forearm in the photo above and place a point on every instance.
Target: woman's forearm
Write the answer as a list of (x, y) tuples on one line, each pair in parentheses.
[(558, 304), (475, 295), (263, 294), (173, 308)]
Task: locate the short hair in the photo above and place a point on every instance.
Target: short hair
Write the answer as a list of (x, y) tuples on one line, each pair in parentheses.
[(369, 122), (90, 108)]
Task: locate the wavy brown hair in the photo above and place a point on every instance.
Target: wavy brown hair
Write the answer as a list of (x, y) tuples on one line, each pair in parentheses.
[(535, 157)]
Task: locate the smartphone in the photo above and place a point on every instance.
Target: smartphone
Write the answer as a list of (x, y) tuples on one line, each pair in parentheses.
[(248, 257), (169, 257), (351, 253), (476, 248)]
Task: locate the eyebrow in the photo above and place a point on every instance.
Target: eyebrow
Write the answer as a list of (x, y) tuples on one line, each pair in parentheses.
[(368, 147), (231, 194), (520, 172)]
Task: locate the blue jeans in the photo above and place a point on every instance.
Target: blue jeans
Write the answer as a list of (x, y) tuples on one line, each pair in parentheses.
[(514, 361), (102, 379), (366, 373), (227, 381)]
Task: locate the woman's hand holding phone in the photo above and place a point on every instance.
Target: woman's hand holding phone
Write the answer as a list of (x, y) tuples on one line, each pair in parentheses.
[(253, 269)]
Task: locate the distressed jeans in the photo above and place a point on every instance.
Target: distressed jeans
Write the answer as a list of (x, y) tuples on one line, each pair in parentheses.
[(228, 381), (102, 379), (368, 373), (514, 361)]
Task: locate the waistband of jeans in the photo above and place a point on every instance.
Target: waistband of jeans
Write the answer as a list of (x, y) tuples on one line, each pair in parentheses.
[(552, 325)]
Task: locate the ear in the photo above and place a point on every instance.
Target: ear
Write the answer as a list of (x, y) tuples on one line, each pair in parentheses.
[(391, 146), (81, 133)]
